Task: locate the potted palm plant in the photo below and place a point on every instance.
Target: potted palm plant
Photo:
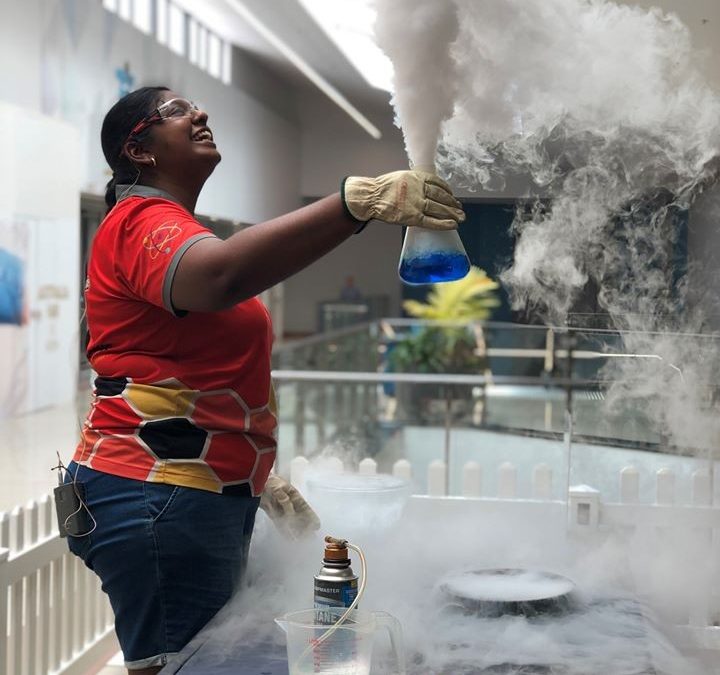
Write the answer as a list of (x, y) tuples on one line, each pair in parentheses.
[(455, 344)]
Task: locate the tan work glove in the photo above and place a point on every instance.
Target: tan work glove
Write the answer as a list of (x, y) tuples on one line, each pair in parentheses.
[(414, 198), (285, 506)]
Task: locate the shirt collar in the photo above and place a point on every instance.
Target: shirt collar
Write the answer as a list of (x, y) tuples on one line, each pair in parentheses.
[(125, 191)]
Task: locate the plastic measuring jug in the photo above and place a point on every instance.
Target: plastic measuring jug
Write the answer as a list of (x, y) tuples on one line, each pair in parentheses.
[(432, 256), (345, 651)]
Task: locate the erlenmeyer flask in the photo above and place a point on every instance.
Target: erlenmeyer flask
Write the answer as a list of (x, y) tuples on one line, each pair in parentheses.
[(432, 256)]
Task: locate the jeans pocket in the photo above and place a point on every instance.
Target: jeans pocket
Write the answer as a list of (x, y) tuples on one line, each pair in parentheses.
[(159, 498)]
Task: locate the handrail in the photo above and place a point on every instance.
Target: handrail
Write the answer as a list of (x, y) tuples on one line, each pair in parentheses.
[(506, 325), (544, 382), (319, 338), (423, 378), (408, 322), (512, 352)]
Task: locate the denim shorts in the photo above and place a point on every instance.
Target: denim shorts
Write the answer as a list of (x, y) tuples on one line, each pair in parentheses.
[(168, 557)]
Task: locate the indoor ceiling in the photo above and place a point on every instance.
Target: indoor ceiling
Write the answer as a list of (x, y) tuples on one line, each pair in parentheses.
[(286, 36)]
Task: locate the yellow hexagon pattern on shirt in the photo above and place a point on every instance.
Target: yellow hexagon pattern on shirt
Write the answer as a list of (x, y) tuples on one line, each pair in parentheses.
[(159, 400)]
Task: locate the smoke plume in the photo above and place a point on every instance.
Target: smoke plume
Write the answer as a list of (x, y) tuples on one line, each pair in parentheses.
[(599, 115), (416, 35)]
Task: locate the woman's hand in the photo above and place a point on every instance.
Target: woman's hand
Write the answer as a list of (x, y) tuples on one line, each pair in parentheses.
[(285, 506), (415, 198)]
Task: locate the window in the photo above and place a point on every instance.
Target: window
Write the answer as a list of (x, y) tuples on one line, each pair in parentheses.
[(202, 47), (142, 15), (214, 56), (161, 29), (227, 65), (193, 37), (125, 9), (178, 30)]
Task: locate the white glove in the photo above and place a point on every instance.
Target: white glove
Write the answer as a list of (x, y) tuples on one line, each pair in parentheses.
[(414, 198), (285, 506)]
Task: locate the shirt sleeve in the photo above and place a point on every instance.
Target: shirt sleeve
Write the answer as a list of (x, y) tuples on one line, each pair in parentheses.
[(150, 247)]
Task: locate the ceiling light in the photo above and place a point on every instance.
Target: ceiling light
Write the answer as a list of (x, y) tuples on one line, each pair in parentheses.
[(349, 24)]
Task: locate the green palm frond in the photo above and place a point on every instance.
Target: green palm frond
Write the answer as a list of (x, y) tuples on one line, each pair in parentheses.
[(470, 298), (448, 349)]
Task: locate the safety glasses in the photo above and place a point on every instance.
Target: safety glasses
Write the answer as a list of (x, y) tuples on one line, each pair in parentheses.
[(174, 108)]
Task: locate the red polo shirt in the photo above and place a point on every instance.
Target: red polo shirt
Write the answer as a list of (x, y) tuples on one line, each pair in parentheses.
[(185, 400)]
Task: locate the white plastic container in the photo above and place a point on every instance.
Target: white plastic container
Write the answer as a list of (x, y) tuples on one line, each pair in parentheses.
[(350, 503)]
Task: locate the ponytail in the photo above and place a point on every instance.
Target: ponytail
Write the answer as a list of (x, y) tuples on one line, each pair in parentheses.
[(110, 196)]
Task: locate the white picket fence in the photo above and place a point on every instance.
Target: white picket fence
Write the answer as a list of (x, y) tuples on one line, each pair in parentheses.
[(507, 475), (586, 513), (54, 617)]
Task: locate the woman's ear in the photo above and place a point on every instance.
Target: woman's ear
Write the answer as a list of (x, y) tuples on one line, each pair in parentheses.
[(138, 155)]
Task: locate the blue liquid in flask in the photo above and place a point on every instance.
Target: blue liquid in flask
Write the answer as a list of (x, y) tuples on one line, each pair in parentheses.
[(434, 267)]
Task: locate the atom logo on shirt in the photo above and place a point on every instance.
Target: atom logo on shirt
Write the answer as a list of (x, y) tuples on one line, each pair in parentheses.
[(158, 240)]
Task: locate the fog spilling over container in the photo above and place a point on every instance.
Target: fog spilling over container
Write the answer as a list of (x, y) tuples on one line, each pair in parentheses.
[(354, 503), (499, 592)]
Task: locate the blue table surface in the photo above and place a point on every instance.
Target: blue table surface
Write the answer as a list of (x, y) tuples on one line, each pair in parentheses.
[(205, 657), (219, 650)]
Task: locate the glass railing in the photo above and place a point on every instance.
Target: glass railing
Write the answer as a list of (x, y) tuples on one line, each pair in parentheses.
[(396, 389)]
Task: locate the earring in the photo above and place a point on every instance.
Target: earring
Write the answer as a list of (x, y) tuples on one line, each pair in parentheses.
[(154, 163)]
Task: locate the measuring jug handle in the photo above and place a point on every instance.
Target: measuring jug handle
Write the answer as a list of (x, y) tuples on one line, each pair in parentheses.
[(394, 630)]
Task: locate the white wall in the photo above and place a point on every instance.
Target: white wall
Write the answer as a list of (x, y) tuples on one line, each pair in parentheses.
[(59, 60), (333, 147), (64, 56), (371, 257)]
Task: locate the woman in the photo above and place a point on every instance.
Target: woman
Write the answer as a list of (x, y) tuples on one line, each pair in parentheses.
[(179, 442)]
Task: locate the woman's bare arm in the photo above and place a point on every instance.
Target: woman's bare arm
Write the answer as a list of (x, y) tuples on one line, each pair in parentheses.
[(214, 274)]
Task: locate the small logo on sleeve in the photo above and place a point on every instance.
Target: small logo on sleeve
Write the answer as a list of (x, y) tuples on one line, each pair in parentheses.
[(158, 241)]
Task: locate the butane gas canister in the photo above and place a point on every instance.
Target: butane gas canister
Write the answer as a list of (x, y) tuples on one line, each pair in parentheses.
[(336, 585)]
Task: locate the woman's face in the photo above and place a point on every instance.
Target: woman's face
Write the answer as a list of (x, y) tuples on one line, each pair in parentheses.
[(181, 142)]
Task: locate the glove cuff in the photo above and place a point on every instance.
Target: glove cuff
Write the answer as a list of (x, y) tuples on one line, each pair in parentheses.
[(347, 210)]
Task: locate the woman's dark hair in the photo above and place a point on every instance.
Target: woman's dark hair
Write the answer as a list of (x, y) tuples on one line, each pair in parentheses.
[(117, 125)]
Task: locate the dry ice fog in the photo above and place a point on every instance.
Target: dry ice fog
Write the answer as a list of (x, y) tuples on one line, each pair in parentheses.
[(601, 111)]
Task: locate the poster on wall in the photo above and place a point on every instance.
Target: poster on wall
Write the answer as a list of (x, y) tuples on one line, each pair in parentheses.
[(14, 347), (12, 287)]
